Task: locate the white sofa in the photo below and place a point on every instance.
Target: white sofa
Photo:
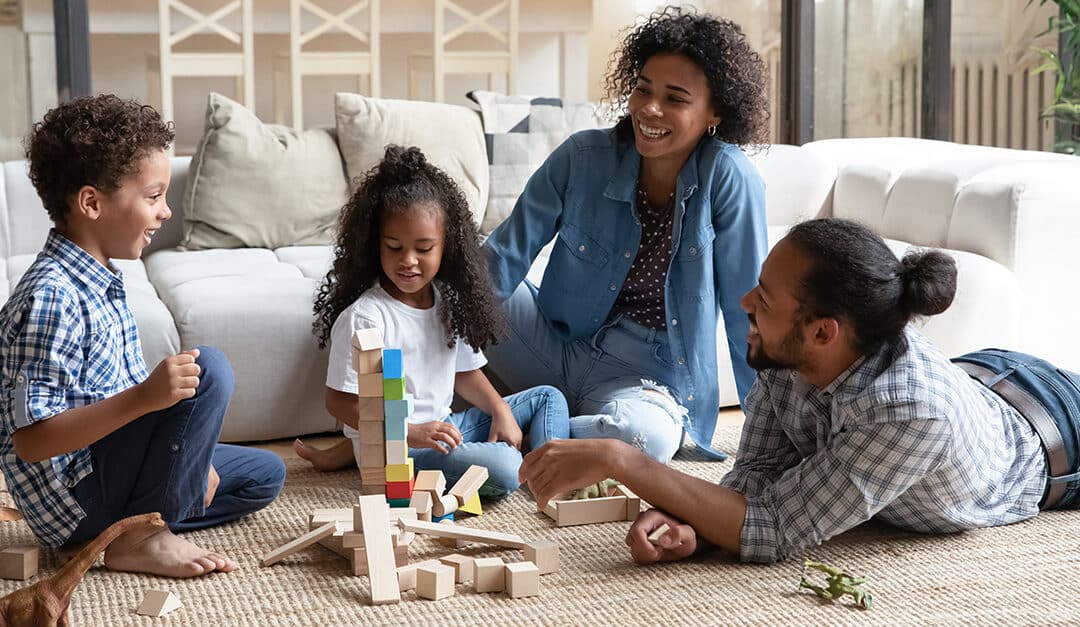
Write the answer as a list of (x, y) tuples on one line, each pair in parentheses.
[(1011, 219)]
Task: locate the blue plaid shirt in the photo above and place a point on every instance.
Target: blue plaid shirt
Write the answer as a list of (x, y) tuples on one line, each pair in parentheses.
[(69, 340), (903, 435)]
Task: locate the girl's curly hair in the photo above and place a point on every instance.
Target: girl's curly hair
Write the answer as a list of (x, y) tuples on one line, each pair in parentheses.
[(94, 140), (735, 73), (403, 180)]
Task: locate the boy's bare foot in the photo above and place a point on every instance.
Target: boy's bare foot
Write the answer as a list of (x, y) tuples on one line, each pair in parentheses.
[(158, 551), (336, 457)]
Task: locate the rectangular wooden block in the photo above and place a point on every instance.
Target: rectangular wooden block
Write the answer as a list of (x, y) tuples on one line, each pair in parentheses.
[(421, 503), (372, 455), (320, 517), (543, 553), (366, 362), (371, 409), (462, 565), (402, 490), (371, 432), (400, 472), (368, 339), (398, 503), (522, 580), (589, 511), (273, 557), (470, 534), (399, 409), (469, 483), (392, 368), (373, 488), (19, 562), (369, 385), (396, 451), (430, 481), (398, 513), (407, 574), (395, 429), (393, 389), (633, 502), (358, 559), (654, 537), (379, 549), (489, 574), (434, 582)]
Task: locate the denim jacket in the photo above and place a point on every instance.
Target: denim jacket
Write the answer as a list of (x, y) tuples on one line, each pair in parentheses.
[(584, 193)]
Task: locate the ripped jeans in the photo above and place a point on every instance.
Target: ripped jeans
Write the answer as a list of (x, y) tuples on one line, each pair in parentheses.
[(618, 383)]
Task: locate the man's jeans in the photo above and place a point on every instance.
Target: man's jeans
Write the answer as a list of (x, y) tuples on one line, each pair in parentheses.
[(1059, 393), (159, 463), (540, 412)]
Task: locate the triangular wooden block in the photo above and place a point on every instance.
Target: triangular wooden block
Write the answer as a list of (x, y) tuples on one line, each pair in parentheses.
[(472, 506), (158, 603)]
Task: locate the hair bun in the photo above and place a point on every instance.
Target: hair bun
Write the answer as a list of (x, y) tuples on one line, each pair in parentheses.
[(929, 278), (403, 161)]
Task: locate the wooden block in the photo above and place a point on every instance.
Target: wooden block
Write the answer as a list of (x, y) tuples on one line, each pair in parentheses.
[(396, 451), (469, 483), (434, 582), (589, 511), (366, 362), (654, 537), (369, 385), (400, 472), (463, 533), (371, 432), (19, 562), (320, 517), (462, 565), (473, 506), (522, 580), (399, 503), (371, 409), (336, 541), (358, 559), (421, 504), (489, 574), (407, 574), (443, 505), (299, 544), (551, 510), (368, 339), (453, 543), (633, 502), (395, 429), (373, 488), (372, 455), (352, 540), (430, 481), (399, 490), (399, 409), (543, 553), (158, 603), (380, 551), (393, 389), (373, 475), (397, 513), (393, 368)]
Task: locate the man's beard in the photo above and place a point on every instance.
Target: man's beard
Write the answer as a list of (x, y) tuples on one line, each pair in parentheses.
[(761, 360)]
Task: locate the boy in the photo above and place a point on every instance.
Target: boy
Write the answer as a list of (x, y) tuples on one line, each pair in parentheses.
[(86, 436)]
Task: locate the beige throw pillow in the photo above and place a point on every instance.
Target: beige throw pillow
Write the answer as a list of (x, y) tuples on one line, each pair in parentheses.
[(450, 137), (261, 185)]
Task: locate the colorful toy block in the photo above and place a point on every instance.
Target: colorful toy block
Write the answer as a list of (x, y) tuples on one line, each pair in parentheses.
[(392, 389), (472, 506), (436, 519), (398, 409), (402, 490), (395, 429), (395, 451), (399, 502), (400, 472), (392, 368)]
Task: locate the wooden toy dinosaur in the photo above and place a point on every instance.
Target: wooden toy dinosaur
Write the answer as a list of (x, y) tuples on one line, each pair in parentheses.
[(46, 602)]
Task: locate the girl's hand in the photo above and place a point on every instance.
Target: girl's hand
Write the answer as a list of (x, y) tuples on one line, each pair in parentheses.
[(504, 427), (436, 434), (678, 542)]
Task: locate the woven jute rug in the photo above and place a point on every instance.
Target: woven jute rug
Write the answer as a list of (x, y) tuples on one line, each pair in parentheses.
[(1024, 573)]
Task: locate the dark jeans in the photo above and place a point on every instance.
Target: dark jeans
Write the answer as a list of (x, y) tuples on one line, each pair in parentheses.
[(1059, 393), (160, 461)]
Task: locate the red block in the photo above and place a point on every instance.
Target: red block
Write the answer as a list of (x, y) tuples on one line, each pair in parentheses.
[(400, 489)]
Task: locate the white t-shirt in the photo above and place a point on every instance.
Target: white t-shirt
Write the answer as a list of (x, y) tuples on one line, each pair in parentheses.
[(429, 365)]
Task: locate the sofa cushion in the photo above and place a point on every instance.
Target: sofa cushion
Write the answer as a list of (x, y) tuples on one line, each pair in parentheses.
[(260, 185), (24, 223), (520, 132), (450, 137)]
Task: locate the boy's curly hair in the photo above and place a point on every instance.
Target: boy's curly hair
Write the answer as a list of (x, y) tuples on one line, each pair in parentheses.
[(735, 73), (93, 140), (400, 182)]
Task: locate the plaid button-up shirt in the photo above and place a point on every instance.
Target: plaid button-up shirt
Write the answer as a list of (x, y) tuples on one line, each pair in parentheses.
[(903, 435), (68, 340)]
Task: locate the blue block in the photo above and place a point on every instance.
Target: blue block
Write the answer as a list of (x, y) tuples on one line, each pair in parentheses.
[(449, 516), (396, 429), (392, 367), (398, 409)]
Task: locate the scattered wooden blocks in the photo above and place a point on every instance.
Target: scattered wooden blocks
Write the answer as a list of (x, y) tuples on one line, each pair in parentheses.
[(407, 574), (654, 537), (522, 580), (489, 574), (358, 559), (462, 565), (543, 553), (430, 481), (379, 549), (158, 603), (19, 562), (469, 483), (463, 533), (298, 544), (434, 582)]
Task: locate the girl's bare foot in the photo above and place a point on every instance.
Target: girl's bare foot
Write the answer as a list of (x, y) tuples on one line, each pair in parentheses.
[(158, 551), (336, 457)]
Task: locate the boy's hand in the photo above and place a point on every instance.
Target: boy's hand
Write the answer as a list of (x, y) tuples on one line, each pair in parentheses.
[(436, 434), (212, 481), (678, 542), (504, 427), (173, 380)]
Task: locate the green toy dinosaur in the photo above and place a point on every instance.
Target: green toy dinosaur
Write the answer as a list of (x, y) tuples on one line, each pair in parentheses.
[(839, 583)]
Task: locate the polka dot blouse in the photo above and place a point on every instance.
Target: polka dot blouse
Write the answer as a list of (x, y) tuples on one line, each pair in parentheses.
[(642, 295)]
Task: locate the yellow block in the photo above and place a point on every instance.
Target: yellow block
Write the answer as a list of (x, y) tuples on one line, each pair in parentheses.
[(400, 472), (472, 506)]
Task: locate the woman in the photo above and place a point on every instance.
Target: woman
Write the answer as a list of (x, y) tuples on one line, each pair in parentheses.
[(661, 226)]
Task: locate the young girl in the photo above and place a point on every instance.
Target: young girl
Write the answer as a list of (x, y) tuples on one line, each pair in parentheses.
[(408, 262)]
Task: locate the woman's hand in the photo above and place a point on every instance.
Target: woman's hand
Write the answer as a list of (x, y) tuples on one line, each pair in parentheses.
[(678, 542), (504, 427), (563, 465), (212, 482), (437, 434)]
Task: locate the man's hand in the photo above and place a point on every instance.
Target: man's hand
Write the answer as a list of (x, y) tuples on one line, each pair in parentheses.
[(436, 434), (212, 482), (174, 379), (678, 542), (504, 427), (563, 465)]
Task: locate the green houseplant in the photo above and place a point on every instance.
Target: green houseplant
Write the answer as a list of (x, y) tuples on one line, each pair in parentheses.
[(1065, 108)]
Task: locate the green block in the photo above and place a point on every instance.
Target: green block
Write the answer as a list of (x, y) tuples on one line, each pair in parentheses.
[(393, 389), (399, 502)]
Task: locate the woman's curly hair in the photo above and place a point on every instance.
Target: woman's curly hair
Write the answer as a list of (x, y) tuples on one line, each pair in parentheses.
[(400, 182), (95, 140), (735, 73)]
